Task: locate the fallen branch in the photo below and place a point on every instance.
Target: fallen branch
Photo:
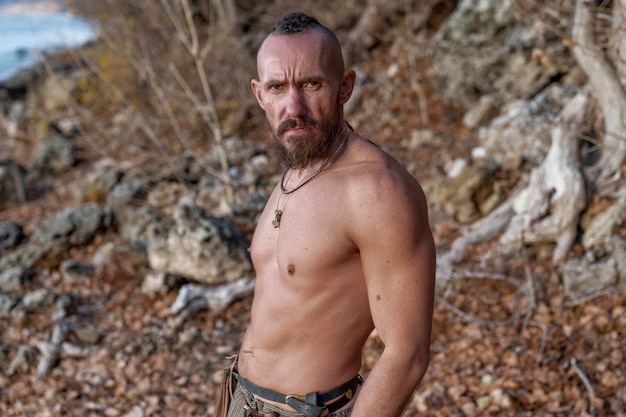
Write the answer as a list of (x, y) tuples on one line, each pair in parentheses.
[(615, 289), (193, 298), (573, 363), (483, 230), (50, 350), (57, 348)]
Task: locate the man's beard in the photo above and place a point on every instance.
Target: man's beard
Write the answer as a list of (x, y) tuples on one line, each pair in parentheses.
[(308, 149)]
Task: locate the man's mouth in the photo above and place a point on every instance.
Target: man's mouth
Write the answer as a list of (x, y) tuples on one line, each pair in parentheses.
[(296, 126)]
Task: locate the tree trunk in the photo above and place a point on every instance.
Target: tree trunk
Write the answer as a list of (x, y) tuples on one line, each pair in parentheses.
[(604, 79)]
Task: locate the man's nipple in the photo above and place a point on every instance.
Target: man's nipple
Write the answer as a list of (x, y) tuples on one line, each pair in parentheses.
[(291, 269)]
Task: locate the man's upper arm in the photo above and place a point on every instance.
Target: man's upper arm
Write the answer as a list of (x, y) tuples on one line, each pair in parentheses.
[(398, 258)]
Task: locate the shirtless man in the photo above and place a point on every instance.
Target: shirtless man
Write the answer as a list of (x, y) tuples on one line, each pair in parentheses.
[(342, 247)]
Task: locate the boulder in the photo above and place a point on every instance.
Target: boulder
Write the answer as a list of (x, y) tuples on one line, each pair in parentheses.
[(200, 247), (486, 48), (72, 226)]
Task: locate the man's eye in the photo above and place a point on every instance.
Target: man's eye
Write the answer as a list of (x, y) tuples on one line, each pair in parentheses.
[(274, 87), (312, 84)]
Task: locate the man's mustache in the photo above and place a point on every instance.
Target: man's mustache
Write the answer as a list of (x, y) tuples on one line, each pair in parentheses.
[(293, 123)]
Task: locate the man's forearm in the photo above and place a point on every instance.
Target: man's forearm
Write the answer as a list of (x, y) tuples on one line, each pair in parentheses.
[(389, 386)]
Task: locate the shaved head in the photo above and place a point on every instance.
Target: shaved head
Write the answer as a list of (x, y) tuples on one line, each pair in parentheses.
[(298, 23)]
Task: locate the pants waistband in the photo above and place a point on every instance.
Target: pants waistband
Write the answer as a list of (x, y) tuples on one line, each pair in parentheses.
[(256, 406), (312, 404)]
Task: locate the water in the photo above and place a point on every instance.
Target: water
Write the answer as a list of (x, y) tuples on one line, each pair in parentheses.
[(28, 29)]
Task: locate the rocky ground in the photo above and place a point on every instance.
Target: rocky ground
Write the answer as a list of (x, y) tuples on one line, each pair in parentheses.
[(506, 342)]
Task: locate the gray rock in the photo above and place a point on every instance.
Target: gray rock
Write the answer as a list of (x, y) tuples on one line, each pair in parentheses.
[(159, 283), (22, 361), (582, 277), (11, 234), (12, 184), (115, 260), (42, 300), (124, 194), (38, 299), (600, 227), (484, 48), (74, 273), (72, 226), (165, 195), (200, 247), (154, 283), (6, 304), (12, 279), (103, 255), (25, 256), (135, 224)]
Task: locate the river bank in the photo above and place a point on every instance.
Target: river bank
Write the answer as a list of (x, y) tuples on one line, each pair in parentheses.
[(32, 31)]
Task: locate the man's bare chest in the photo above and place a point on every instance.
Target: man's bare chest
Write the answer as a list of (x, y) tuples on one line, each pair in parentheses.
[(312, 237)]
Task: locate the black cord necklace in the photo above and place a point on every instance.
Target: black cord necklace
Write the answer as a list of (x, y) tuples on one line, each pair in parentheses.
[(278, 213)]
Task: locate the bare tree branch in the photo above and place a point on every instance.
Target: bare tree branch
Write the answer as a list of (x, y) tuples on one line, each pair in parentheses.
[(208, 111)]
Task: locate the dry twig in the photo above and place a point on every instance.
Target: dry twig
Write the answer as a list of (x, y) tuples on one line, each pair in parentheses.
[(573, 363)]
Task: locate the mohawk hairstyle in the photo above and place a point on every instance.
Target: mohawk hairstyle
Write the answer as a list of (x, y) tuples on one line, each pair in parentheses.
[(296, 22), (299, 22)]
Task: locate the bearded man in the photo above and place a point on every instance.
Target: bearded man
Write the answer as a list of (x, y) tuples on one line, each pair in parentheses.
[(343, 247)]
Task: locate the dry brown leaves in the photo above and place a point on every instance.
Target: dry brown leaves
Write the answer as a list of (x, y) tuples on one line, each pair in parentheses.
[(499, 355), (564, 361)]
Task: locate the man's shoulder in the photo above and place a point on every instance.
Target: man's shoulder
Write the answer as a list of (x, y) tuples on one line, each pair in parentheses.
[(373, 168)]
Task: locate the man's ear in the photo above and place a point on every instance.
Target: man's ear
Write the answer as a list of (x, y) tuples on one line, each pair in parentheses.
[(256, 89), (346, 87)]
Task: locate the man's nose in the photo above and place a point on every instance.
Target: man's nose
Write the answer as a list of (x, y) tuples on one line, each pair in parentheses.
[(295, 103)]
